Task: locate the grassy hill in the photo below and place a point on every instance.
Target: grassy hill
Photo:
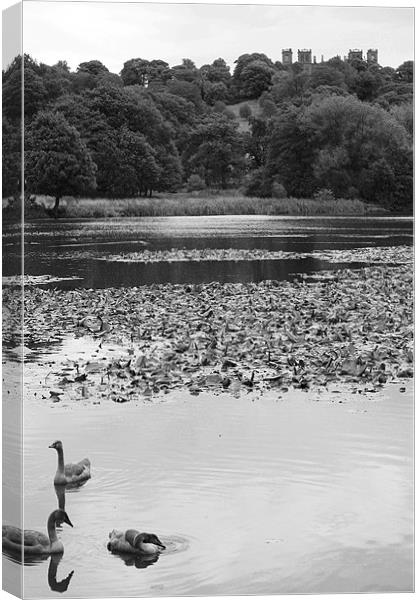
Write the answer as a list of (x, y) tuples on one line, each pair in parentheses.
[(243, 123)]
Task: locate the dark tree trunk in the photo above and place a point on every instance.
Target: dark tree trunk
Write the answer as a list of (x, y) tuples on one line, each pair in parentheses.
[(55, 209)]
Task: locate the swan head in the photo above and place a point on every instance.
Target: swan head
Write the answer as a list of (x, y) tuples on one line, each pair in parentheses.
[(57, 445), (60, 516), (148, 538)]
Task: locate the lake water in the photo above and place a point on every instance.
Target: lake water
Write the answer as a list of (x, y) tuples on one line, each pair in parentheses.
[(303, 492), (251, 496), (55, 247)]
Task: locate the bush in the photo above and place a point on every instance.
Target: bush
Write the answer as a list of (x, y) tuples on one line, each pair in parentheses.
[(324, 195), (219, 106), (278, 190), (229, 114), (257, 184), (245, 111), (195, 183)]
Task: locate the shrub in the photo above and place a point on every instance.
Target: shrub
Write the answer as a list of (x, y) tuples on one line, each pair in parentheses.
[(195, 183), (229, 114), (219, 106), (245, 111), (278, 190), (324, 195), (257, 184)]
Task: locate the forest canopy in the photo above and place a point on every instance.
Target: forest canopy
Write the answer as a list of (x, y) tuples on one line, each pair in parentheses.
[(345, 127)]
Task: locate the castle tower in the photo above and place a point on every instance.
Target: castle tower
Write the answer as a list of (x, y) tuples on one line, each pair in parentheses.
[(372, 57), (287, 56), (305, 59), (355, 55)]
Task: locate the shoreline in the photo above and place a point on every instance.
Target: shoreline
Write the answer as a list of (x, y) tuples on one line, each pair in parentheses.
[(195, 204)]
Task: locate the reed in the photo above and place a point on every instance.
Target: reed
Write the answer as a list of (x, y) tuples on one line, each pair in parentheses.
[(203, 204)]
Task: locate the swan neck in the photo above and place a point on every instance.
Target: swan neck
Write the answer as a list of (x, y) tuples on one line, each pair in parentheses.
[(60, 460), (52, 533)]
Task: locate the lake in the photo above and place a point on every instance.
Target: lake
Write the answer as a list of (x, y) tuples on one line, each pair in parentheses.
[(258, 493), (72, 248)]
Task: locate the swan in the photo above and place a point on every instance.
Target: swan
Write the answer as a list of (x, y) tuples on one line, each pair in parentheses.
[(72, 472), (35, 542), (134, 542)]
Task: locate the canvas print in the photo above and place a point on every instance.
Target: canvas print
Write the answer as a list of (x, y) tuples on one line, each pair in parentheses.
[(207, 299)]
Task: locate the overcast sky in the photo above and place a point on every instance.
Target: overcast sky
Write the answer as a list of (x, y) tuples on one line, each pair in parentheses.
[(114, 32)]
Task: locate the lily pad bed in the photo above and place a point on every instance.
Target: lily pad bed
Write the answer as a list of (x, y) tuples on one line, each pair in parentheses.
[(399, 254), (17, 280), (356, 330)]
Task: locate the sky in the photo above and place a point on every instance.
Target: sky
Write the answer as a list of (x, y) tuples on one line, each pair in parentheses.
[(114, 32)]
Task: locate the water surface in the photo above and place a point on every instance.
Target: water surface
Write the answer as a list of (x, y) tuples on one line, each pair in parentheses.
[(261, 495), (54, 247)]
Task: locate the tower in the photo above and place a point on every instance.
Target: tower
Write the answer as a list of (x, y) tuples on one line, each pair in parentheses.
[(372, 56), (287, 56), (305, 59), (355, 55)]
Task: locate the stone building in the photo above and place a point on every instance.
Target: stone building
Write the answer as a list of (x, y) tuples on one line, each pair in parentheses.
[(305, 59), (287, 56), (355, 55), (372, 56)]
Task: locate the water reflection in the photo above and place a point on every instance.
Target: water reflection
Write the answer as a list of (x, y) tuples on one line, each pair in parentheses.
[(139, 561), (60, 491), (29, 560), (57, 586)]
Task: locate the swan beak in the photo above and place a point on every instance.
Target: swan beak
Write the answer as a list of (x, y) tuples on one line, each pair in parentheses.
[(67, 520), (51, 446), (162, 546)]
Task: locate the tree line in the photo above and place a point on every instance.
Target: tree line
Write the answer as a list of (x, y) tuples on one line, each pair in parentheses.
[(344, 129)]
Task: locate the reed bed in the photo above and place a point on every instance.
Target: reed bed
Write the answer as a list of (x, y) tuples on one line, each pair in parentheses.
[(188, 205)]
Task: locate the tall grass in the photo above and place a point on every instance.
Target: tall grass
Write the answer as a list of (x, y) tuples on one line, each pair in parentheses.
[(218, 205), (202, 204)]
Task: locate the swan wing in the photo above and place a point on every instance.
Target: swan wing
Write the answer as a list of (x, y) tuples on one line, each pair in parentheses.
[(29, 537), (118, 543), (35, 538), (76, 469)]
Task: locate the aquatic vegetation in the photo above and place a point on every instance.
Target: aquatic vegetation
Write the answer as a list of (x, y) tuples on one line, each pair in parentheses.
[(371, 255), (228, 203), (356, 328)]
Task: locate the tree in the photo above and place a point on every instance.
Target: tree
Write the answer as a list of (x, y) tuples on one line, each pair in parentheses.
[(356, 144), (405, 72), (290, 152), (252, 75), (35, 94), (217, 72), (187, 90), (187, 71), (57, 162), (139, 170), (12, 158), (212, 92), (135, 71), (245, 111), (93, 67), (215, 151), (327, 75)]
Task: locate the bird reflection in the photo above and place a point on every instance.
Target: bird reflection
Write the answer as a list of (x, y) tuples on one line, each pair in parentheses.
[(60, 491), (140, 561), (57, 586), (24, 559), (32, 559)]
